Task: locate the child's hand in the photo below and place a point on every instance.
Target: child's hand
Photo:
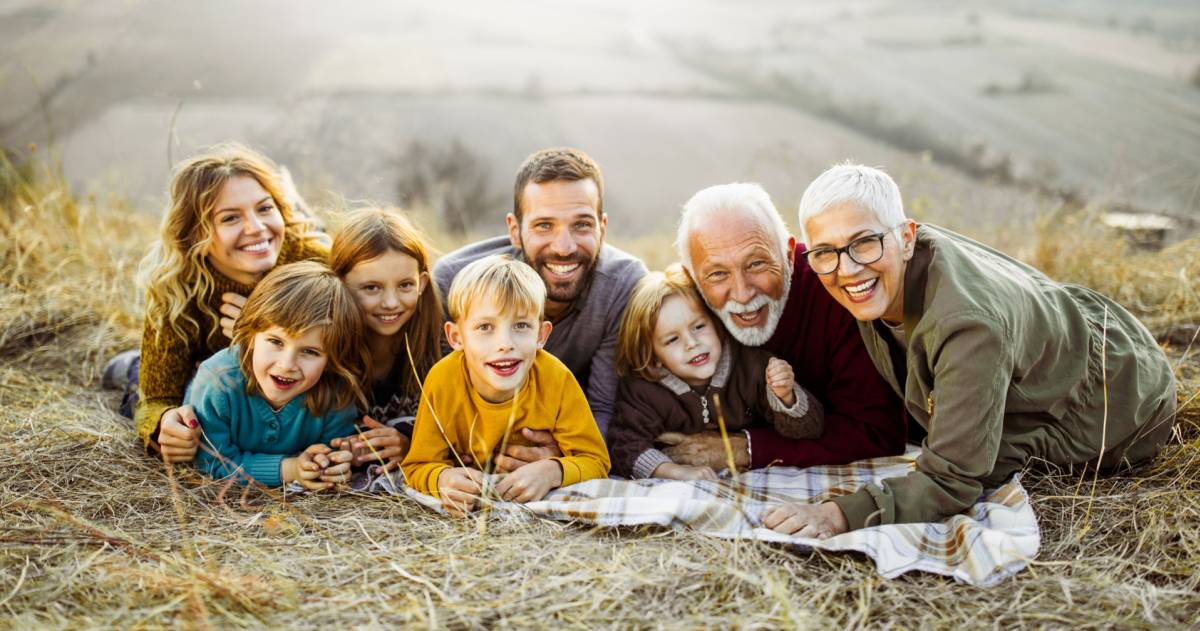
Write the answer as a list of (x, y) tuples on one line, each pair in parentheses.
[(782, 380), (338, 469), (309, 466), (531, 482), (459, 489), (383, 445), (672, 471)]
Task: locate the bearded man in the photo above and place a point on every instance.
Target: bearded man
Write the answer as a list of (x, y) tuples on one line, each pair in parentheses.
[(557, 226), (736, 247)]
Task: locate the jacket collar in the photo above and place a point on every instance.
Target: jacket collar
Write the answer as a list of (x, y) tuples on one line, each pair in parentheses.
[(719, 379), (916, 277)]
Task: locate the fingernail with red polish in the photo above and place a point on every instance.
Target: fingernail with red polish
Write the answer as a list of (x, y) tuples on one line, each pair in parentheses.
[(193, 423)]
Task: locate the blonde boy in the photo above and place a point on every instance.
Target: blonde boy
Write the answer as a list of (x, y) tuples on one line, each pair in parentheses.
[(497, 382)]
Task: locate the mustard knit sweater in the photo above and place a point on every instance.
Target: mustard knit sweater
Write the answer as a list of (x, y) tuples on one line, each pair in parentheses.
[(168, 361)]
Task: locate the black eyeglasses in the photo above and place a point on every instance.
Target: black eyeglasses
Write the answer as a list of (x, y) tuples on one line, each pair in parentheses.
[(863, 250)]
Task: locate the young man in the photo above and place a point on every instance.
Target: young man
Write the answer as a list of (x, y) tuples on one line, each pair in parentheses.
[(557, 227), (496, 383)]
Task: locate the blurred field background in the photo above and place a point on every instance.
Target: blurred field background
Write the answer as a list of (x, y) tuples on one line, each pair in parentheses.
[(1018, 123)]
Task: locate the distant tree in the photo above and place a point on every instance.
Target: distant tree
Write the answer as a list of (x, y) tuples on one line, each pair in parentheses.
[(451, 181)]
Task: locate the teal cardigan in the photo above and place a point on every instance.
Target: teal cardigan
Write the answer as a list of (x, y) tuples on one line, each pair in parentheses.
[(251, 438)]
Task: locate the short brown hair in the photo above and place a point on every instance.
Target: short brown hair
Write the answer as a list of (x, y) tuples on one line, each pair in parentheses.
[(557, 163), (635, 346), (368, 233), (295, 298)]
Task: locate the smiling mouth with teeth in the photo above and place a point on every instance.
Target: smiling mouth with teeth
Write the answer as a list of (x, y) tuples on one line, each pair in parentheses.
[(389, 318), (283, 383), (749, 316), (699, 360), (861, 289), (505, 367), (563, 270), (255, 248)]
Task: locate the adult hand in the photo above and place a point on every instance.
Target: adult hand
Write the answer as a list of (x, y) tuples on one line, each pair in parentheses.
[(820, 521), (459, 489), (672, 471), (705, 449), (531, 482), (516, 456), (382, 445), (231, 309), (177, 439)]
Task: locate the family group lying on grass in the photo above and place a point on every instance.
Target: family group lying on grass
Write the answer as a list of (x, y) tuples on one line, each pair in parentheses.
[(870, 332)]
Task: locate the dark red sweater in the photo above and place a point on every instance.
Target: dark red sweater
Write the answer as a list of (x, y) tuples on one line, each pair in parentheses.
[(820, 339)]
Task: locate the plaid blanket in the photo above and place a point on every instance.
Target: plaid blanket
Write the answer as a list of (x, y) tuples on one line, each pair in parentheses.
[(996, 538)]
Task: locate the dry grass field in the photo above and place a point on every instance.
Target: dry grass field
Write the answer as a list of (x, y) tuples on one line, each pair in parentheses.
[(95, 534)]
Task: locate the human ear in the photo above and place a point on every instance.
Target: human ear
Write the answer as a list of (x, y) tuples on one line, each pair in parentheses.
[(603, 226), (423, 282), (514, 230), (791, 253), (454, 336), (908, 233), (544, 333)]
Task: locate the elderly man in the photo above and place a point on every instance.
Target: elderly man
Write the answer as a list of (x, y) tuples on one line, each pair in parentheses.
[(557, 226), (737, 248)]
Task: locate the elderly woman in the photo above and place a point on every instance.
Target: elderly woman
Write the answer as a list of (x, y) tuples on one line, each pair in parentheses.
[(998, 363)]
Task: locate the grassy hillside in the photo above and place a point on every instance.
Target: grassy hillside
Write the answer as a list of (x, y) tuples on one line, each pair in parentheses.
[(95, 534)]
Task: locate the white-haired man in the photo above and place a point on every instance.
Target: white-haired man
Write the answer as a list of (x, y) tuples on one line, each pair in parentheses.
[(735, 245)]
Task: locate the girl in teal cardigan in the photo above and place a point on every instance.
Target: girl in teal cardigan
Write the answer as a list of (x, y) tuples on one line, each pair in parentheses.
[(270, 404)]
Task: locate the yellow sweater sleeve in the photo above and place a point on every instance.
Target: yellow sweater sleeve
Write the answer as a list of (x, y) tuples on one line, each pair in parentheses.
[(585, 457), (429, 452)]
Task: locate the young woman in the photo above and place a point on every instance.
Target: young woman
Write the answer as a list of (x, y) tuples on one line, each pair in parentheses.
[(228, 224)]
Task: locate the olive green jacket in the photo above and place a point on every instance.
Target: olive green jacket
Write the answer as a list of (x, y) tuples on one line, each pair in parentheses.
[(1004, 365)]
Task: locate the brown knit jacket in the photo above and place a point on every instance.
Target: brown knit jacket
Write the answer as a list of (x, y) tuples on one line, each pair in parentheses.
[(646, 409), (168, 361)]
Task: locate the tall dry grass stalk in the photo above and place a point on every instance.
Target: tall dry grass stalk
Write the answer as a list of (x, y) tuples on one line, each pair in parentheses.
[(91, 533)]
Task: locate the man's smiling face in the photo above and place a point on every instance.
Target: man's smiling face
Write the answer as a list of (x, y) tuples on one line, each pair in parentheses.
[(560, 233), (741, 273)]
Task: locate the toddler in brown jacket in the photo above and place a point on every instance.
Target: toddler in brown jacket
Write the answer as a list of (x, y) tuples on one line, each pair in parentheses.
[(674, 361)]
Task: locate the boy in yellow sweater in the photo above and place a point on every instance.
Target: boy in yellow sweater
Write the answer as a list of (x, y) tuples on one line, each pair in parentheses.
[(497, 382)]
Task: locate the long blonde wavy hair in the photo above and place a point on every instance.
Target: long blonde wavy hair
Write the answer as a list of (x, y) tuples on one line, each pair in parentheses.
[(175, 272)]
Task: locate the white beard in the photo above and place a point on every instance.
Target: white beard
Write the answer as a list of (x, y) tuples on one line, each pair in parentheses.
[(755, 336)]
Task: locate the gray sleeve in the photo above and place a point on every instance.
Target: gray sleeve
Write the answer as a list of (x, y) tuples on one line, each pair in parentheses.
[(602, 378)]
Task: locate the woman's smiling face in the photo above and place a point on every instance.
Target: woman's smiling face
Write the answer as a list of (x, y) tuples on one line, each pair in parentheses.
[(247, 231), (874, 290)]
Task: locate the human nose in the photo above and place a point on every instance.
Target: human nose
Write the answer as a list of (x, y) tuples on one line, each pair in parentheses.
[(390, 299), (254, 224), (690, 340), (563, 244), (504, 341), (847, 266), (287, 359), (743, 291)]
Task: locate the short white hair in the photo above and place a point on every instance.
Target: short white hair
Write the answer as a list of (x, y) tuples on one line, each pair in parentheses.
[(744, 197), (863, 186)]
